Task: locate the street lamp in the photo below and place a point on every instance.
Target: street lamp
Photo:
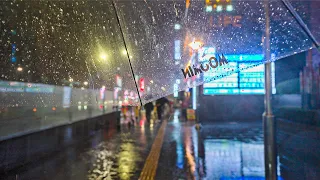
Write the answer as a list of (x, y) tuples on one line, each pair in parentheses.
[(19, 69), (103, 56), (85, 83), (195, 46), (71, 80)]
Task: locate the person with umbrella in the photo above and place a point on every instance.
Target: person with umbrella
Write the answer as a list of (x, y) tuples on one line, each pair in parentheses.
[(160, 106), (149, 108)]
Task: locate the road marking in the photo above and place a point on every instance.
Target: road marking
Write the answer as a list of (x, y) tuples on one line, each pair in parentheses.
[(150, 167)]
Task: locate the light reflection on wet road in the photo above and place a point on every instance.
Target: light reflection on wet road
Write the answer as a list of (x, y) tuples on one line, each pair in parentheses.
[(220, 151), (108, 154)]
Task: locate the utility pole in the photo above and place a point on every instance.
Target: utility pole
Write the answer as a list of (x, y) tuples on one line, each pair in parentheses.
[(270, 152)]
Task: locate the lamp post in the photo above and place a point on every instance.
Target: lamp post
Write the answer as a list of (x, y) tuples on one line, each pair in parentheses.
[(268, 117), (195, 46)]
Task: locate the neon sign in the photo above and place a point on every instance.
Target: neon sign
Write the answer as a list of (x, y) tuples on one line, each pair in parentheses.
[(177, 51), (102, 90), (141, 84), (198, 70), (224, 21)]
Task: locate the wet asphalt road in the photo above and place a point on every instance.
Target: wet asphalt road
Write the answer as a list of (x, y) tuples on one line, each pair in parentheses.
[(220, 151)]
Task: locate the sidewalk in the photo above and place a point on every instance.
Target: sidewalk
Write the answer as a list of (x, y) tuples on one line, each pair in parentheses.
[(102, 153)]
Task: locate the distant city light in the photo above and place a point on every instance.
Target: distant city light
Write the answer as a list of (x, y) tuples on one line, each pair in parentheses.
[(85, 83), (219, 8), (175, 90), (19, 69), (195, 45), (209, 9), (177, 26), (71, 80), (229, 8)]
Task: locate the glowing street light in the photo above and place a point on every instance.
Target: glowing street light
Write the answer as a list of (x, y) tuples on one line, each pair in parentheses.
[(71, 80), (195, 45), (103, 56), (19, 69), (85, 83)]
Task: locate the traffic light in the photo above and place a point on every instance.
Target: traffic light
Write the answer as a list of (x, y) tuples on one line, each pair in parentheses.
[(219, 5)]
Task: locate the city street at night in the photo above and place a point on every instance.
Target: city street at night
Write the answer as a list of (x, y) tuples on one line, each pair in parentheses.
[(160, 90)]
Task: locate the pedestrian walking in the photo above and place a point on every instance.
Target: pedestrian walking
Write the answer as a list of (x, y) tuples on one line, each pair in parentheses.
[(149, 108), (160, 106), (137, 112)]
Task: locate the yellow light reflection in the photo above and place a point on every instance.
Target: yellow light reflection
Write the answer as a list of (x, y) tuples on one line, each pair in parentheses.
[(126, 160)]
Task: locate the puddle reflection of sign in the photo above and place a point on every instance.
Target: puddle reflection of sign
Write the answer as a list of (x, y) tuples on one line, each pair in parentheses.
[(191, 114)]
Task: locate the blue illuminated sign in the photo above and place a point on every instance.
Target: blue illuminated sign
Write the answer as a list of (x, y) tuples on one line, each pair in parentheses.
[(247, 79), (13, 52), (175, 90), (245, 57), (13, 59), (177, 54)]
